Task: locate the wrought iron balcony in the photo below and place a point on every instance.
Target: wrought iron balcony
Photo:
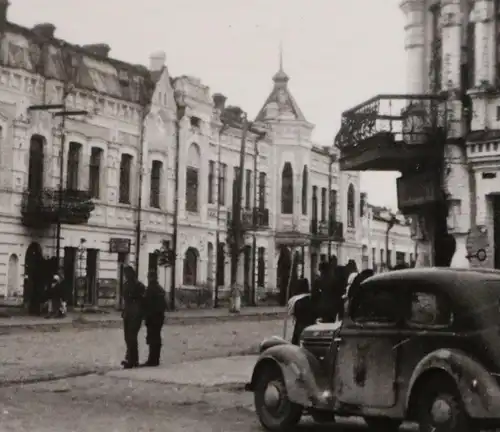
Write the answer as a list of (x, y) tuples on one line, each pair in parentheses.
[(41, 208), (389, 132), (255, 218), (324, 231)]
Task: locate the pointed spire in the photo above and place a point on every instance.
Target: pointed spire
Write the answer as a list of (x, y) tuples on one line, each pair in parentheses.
[(281, 78), (281, 56)]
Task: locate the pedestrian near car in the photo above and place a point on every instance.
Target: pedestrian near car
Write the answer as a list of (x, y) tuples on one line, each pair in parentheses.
[(154, 308), (301, 308), (133, 298)]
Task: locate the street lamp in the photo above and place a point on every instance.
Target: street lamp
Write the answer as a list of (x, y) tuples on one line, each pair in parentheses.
[(180, 101)]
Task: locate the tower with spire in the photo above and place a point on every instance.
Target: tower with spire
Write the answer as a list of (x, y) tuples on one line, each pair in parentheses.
[(280, 105)]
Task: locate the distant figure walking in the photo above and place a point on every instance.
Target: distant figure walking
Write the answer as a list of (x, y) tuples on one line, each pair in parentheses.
[(155, 306), (55, 296), (302, 309), (133, 298)]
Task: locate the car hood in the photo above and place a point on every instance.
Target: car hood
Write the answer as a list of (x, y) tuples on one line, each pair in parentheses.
[(321, 330)]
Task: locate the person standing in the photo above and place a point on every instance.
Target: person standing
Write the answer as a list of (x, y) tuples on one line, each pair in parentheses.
[(154, 308), (55, 295), (133, 297), (301, 308)]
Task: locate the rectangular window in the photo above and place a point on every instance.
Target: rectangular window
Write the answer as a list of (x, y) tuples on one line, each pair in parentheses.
[(222, 184), (376, 305), (155, 189), (236, 193), (261, 269), (323, 204), (211, 179), (191, 189), (429, 310), (95, 172), (248, 189), (262, 190), (315, 203), (333, 205), (125, 183), (72, 176)]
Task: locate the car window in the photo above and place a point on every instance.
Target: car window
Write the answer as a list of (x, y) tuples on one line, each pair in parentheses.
[(375, 305), (429, 309)]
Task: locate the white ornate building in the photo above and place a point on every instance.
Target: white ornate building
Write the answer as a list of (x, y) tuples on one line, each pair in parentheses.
[(444, 134), (386, 239), (293, 190)]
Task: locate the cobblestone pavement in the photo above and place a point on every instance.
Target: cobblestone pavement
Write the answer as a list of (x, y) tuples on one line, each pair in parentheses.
[(37, 356), (97, 403)]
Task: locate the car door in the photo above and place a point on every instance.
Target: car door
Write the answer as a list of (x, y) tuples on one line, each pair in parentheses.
[(368, 346)]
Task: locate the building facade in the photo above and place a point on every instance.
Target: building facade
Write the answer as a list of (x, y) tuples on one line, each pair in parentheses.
[(386, 239), (118, 161), (442, 135)]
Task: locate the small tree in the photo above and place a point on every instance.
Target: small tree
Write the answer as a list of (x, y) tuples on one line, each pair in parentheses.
[(165, 256)]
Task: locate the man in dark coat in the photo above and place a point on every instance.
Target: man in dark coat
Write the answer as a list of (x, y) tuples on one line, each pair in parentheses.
[(133, 297), (154, 308)]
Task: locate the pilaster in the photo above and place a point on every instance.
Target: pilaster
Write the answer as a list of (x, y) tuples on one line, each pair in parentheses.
[(414, 11)]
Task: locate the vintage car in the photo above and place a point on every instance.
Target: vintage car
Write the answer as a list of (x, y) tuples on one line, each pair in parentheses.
[(421, 345)]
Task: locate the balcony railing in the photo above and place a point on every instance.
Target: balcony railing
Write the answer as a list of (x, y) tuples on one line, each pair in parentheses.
[(387, 130), (323, 230), (255, 218), (41, 208)]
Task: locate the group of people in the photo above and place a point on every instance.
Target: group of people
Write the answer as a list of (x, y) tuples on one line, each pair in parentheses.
[(325, 301), (142, 304)]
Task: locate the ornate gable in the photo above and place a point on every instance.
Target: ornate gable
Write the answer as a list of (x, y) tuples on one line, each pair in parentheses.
[(280, 104)]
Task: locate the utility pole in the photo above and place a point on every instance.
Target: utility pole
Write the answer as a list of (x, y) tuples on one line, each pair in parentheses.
[(181, 111), (218, 256), (255, 215), (236, 225), (390, 224), (144, 94), (330, 207)]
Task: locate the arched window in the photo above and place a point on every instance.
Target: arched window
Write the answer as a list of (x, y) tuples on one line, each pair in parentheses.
[(305, 185), (36, 164), (351, 207), (155, 186), (13, 276), (192, 174), (190, 270), (287, 189)]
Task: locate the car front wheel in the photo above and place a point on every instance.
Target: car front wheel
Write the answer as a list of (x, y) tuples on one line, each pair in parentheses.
[(275, 411), (440, 409)]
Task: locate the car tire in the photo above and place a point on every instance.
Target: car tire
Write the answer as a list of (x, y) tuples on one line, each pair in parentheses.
[(276, 414), (440, 409), (386, 424)]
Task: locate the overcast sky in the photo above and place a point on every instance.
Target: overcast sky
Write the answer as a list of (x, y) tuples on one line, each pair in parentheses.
[(337, 53)]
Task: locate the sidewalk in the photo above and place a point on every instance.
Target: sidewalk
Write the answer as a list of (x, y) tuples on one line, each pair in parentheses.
[(113, 319)]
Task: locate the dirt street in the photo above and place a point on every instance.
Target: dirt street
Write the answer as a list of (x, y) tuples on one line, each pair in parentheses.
[(98, 403), (36, 356)]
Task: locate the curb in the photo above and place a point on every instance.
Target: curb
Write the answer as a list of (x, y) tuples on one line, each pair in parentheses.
[(81, 323)]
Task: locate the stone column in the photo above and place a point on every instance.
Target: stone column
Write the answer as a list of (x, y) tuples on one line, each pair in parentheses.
[(414, 11), (484, 36)]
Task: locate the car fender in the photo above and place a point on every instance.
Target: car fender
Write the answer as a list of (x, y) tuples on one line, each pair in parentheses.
[(304, 379), (479, 390)]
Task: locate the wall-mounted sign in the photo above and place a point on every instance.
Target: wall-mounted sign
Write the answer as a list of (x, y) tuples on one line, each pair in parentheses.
[(417, 190), (119, 245)]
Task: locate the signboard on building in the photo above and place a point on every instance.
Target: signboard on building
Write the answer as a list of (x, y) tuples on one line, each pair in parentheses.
[(119, 245), (417, 190)]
